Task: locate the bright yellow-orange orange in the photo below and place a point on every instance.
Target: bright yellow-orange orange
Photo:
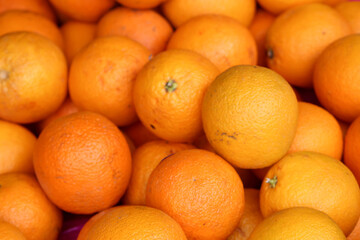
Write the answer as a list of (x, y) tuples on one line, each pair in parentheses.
[(249, 116), (33, 77), (309, 179), (298, 223), (132, 222), (168, 93)]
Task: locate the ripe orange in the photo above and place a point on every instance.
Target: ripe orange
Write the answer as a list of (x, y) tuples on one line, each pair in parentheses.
[(337, 78), (317, 131), (144, 26), (16, 148), (315, 26), (251, 217), (82, 10), (33, 77), (37, 6), (10, 232), (131, 222), (249, 116), (145, 160), (298, 223), (66, 108), (200, 190), (350, 11), (102, 76), (139, 134), (309, 179), (25, 205), (76, 36), (17, 20), (168, 93), (140, 4), (221, 39), (82, 162), (180, 11), (259, 28), (355, 234), (351, 149)]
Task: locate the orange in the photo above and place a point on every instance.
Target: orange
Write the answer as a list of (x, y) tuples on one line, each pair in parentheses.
[(37, 6), (102, 76), (66, 108), (337, 78), (25, 205), (251, 217), (76, 36), (16, 148), (350, 11), (355, 234), (200, 190), (10, 232), (82, 162), (298, 223), (315, 26), (180, 11), (140, 4), (145, 160), (82, 10), (351, 149), (144, 26), (317, 131), (259, 28), (221, 39), (33, 77), (168, 93), (139, 134), (131, 222), (309, 179), (249, 116), (17, 20)]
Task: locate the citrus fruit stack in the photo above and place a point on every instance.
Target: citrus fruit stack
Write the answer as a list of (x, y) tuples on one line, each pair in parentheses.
[(179, 119)]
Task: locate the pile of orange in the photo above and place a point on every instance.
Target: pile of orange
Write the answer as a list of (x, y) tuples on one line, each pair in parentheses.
[(180, 119)]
